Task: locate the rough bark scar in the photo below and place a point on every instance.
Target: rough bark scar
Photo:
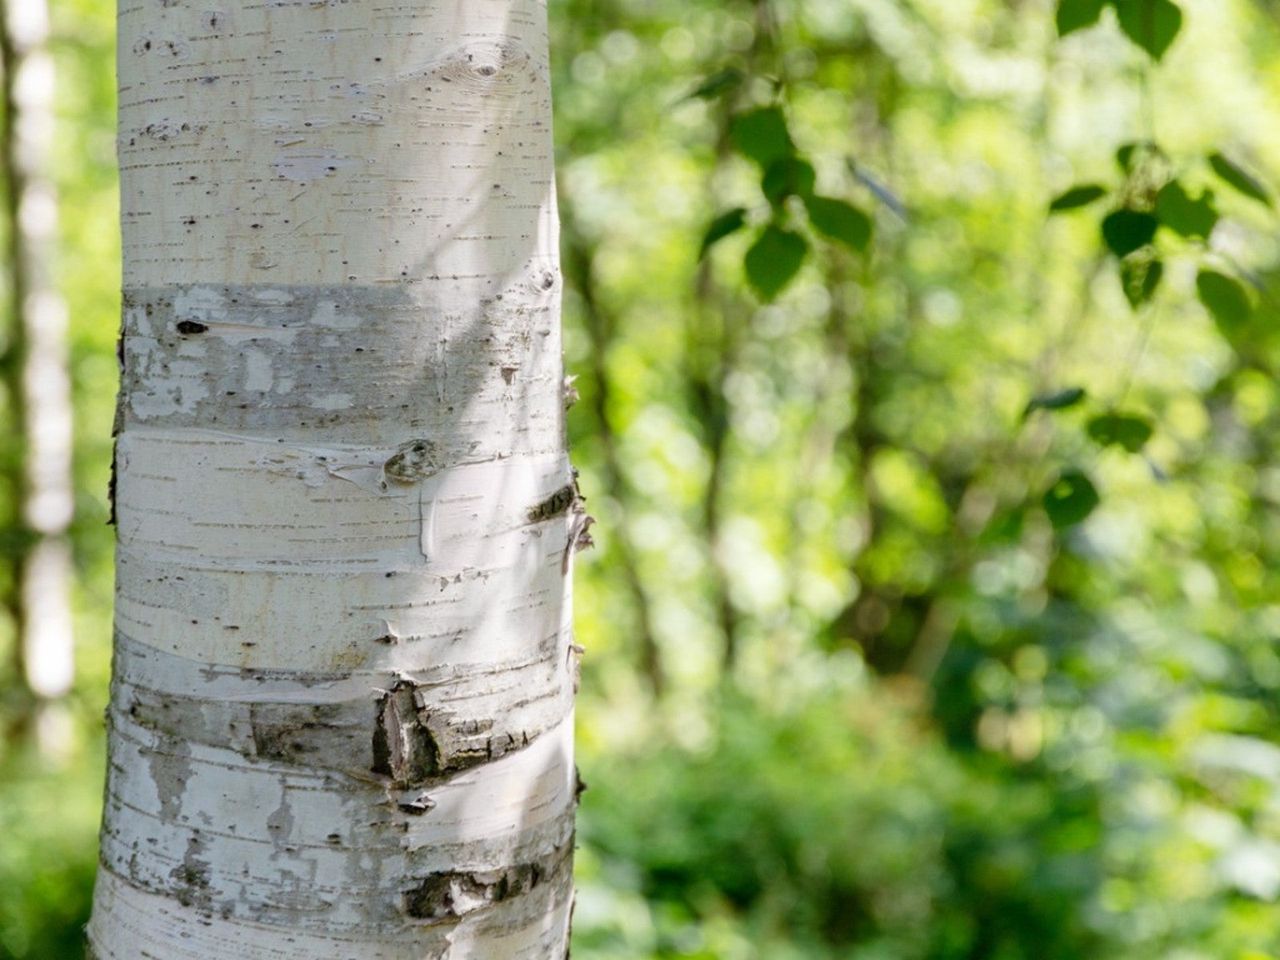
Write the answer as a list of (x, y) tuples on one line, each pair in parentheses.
[(404, 749), (413, 746), (414, 461), (455, 893), (554, 505)]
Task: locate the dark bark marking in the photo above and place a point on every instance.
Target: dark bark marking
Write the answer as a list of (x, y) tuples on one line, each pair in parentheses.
[(111, 485), (416, 805), (451, 894), (415, 460), (191, 879), (556, 504)]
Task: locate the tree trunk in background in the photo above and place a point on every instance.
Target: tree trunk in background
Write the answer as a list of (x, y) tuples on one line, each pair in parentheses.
[(36, 361), (341, 718)]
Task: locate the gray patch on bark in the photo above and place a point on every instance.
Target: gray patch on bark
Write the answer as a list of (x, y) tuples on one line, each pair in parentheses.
[(298, 734), (280, 820), (289, 359), (170, 768)]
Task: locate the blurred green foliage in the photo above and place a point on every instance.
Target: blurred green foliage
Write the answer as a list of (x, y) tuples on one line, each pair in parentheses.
[(928, 354)]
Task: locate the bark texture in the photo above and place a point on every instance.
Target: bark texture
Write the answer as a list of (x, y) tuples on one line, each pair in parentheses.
[(341, 720)]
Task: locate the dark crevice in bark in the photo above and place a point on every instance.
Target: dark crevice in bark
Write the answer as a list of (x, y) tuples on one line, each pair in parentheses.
[(451, 894), (556, 504), (404, 748)]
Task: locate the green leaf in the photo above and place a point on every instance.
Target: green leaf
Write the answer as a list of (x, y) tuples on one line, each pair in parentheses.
[(1186, 215), (787, 177), (840, 221), (1125, 231), (1075, 15), (762, 135), (1131, 155), (728, 222), (1124, 155), (1226, 301), (722, 81), (1126, 430), (1151, 24), (1237, 177), (1058, 400), (1004, 527), (1076, 197), (1071, 498), (773, 261), (1140, 276)]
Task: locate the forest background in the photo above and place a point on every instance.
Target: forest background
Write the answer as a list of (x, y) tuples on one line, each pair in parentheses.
[(927, 357)]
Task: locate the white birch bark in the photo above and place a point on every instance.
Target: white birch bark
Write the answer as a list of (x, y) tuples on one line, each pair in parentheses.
[(341, 720), (41, 386)]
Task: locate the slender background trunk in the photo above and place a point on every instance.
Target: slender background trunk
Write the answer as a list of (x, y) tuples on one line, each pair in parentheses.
[(341, 721), (37, 381)]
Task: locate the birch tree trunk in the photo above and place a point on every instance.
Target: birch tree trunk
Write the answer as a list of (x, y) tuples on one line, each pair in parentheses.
[(341, 714)]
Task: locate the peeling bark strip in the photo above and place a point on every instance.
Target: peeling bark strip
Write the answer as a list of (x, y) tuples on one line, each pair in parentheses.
[(341, 719)]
